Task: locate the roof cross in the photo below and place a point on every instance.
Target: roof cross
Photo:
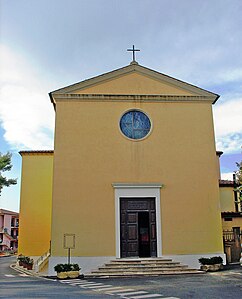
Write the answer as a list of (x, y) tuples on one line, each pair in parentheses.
[(133, 50)]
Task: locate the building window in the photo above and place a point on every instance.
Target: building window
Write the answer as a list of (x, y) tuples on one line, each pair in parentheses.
[(228, 219), (135, 124)]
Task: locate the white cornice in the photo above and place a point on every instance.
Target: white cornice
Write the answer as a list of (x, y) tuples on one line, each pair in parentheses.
[(131, 98)]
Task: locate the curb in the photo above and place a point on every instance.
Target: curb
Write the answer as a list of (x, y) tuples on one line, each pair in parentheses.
[(29, 272), (22, 270), (2, 256)]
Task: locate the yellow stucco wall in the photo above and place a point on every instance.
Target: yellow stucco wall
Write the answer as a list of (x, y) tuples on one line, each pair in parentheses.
[(227, 199), (35, 203), (91, 154)]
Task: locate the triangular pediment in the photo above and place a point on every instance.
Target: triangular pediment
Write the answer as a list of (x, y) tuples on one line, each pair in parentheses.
[(134, 80)]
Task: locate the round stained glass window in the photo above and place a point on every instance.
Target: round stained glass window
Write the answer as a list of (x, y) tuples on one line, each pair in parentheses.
[(134, 124)]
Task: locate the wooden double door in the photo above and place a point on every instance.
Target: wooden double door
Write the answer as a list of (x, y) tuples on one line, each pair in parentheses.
[(138, 227)]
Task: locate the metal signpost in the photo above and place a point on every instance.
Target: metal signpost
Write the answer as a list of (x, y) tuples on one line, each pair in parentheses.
[(69, 243)]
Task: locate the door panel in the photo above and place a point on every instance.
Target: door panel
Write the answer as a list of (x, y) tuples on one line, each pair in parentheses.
[(132, 235), (153, 241), (133, 240), (132, 232), (132, 217)]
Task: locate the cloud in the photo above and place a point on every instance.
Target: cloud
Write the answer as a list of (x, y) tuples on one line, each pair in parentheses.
[(227, 176), (228, 125), (230, 75), (26, 114), (27, 117)]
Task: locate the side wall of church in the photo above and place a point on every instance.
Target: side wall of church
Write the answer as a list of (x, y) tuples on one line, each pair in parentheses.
[(35, 204), (91, 153)]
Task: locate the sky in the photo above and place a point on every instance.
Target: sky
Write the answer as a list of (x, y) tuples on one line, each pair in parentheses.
[(49, 44)]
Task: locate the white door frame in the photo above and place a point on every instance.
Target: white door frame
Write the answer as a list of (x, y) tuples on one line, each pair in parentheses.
[(137, 190)]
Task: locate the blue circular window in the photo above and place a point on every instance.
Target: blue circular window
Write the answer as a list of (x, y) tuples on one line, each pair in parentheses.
[(135, 124)]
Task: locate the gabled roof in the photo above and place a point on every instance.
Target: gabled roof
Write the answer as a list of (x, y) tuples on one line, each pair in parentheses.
[(134, 67), (7, 212), (226, 183), (36, 152), (231, 214)]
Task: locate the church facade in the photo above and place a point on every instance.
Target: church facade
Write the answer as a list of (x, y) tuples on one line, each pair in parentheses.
[(134, 171)]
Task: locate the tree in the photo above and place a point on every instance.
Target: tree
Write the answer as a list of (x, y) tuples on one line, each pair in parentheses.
[(238, 173), (238, 186), (5, 165)]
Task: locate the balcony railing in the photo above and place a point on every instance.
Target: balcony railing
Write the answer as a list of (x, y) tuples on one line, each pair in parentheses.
[(14, 225), (231, 236), (228, 235)]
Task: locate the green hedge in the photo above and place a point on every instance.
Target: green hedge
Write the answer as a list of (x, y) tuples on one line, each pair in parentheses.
[(211, 261), (66, 267)]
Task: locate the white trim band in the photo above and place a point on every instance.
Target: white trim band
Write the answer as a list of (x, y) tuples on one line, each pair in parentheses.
[(130, 190)]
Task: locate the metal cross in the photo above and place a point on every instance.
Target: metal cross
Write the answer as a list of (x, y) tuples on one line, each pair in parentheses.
[(133, 50)]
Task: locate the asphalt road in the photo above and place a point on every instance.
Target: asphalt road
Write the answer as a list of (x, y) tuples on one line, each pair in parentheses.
[(224, 284), (17, 285)]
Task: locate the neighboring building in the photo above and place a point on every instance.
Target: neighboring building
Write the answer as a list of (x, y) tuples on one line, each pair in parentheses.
[(9, 224), (231, 206), (134, 173), (231, 212)]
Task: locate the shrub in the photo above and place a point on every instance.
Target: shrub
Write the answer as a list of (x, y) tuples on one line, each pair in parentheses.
[(211, 261), (75, 267), (28, 260), (216, 260), (21, 258), (25, 260), (66, 267), (59, 268)]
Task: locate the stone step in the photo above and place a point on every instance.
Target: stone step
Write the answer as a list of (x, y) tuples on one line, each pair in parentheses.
[(125, 265), (141, 267), (133, 274), (141, 260), (139, 264), (142, 264), (103, 269), (140, 270)]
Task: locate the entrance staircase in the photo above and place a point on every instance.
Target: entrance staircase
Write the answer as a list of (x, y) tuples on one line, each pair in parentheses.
[(141, 267)]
